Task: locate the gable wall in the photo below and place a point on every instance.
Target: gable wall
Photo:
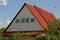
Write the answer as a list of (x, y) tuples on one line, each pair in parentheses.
[(31, 26)]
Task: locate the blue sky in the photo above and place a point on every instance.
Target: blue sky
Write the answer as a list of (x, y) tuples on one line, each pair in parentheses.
[(7, 12)]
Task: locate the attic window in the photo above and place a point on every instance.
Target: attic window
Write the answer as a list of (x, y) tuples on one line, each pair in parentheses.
[(32, 20), (27, 20), (17, 21), (22, 20)]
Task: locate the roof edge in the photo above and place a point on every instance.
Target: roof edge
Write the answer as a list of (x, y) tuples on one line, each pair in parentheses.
[(15, 16)]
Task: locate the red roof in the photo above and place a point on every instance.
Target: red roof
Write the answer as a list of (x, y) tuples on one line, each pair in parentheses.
[(41, 15), (48, 17)]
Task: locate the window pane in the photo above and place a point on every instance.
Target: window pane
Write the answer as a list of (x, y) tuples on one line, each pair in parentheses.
[(22, 20), (17, 21), (27, 20), (32, 20)]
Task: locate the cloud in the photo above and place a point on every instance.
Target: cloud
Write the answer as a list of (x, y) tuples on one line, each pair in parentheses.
[(4, 23), (3, 2), (1, 23), (8, 21)]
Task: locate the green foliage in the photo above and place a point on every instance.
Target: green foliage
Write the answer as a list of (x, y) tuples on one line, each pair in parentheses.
[(2, 29), (1, 36), (15, 36), (53, 37), (58, 37), (39, 37)]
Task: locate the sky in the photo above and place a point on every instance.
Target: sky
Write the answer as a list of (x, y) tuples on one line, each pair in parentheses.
[(9, 8)]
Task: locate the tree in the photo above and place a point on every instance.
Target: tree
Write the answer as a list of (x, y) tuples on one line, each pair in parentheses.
[(54, 27), (1, 35)]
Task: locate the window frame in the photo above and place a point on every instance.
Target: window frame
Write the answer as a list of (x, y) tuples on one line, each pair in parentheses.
[(17, 20), (27, 20), (32, 20), (22, 20)]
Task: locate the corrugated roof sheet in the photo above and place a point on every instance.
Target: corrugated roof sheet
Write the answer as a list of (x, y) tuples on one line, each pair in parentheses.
[(41, 15), (37, 16), (48, 17)]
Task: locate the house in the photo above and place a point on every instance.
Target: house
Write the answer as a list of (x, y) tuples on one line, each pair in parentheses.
[(30, 19)]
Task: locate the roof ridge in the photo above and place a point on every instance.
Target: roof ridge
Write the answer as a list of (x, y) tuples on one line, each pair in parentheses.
[(41, 8)]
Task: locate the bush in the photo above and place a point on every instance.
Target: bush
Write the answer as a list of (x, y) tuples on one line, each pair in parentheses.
[(40, 37), (53, 37), (1, 37), (15, 36), (58, 37)]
